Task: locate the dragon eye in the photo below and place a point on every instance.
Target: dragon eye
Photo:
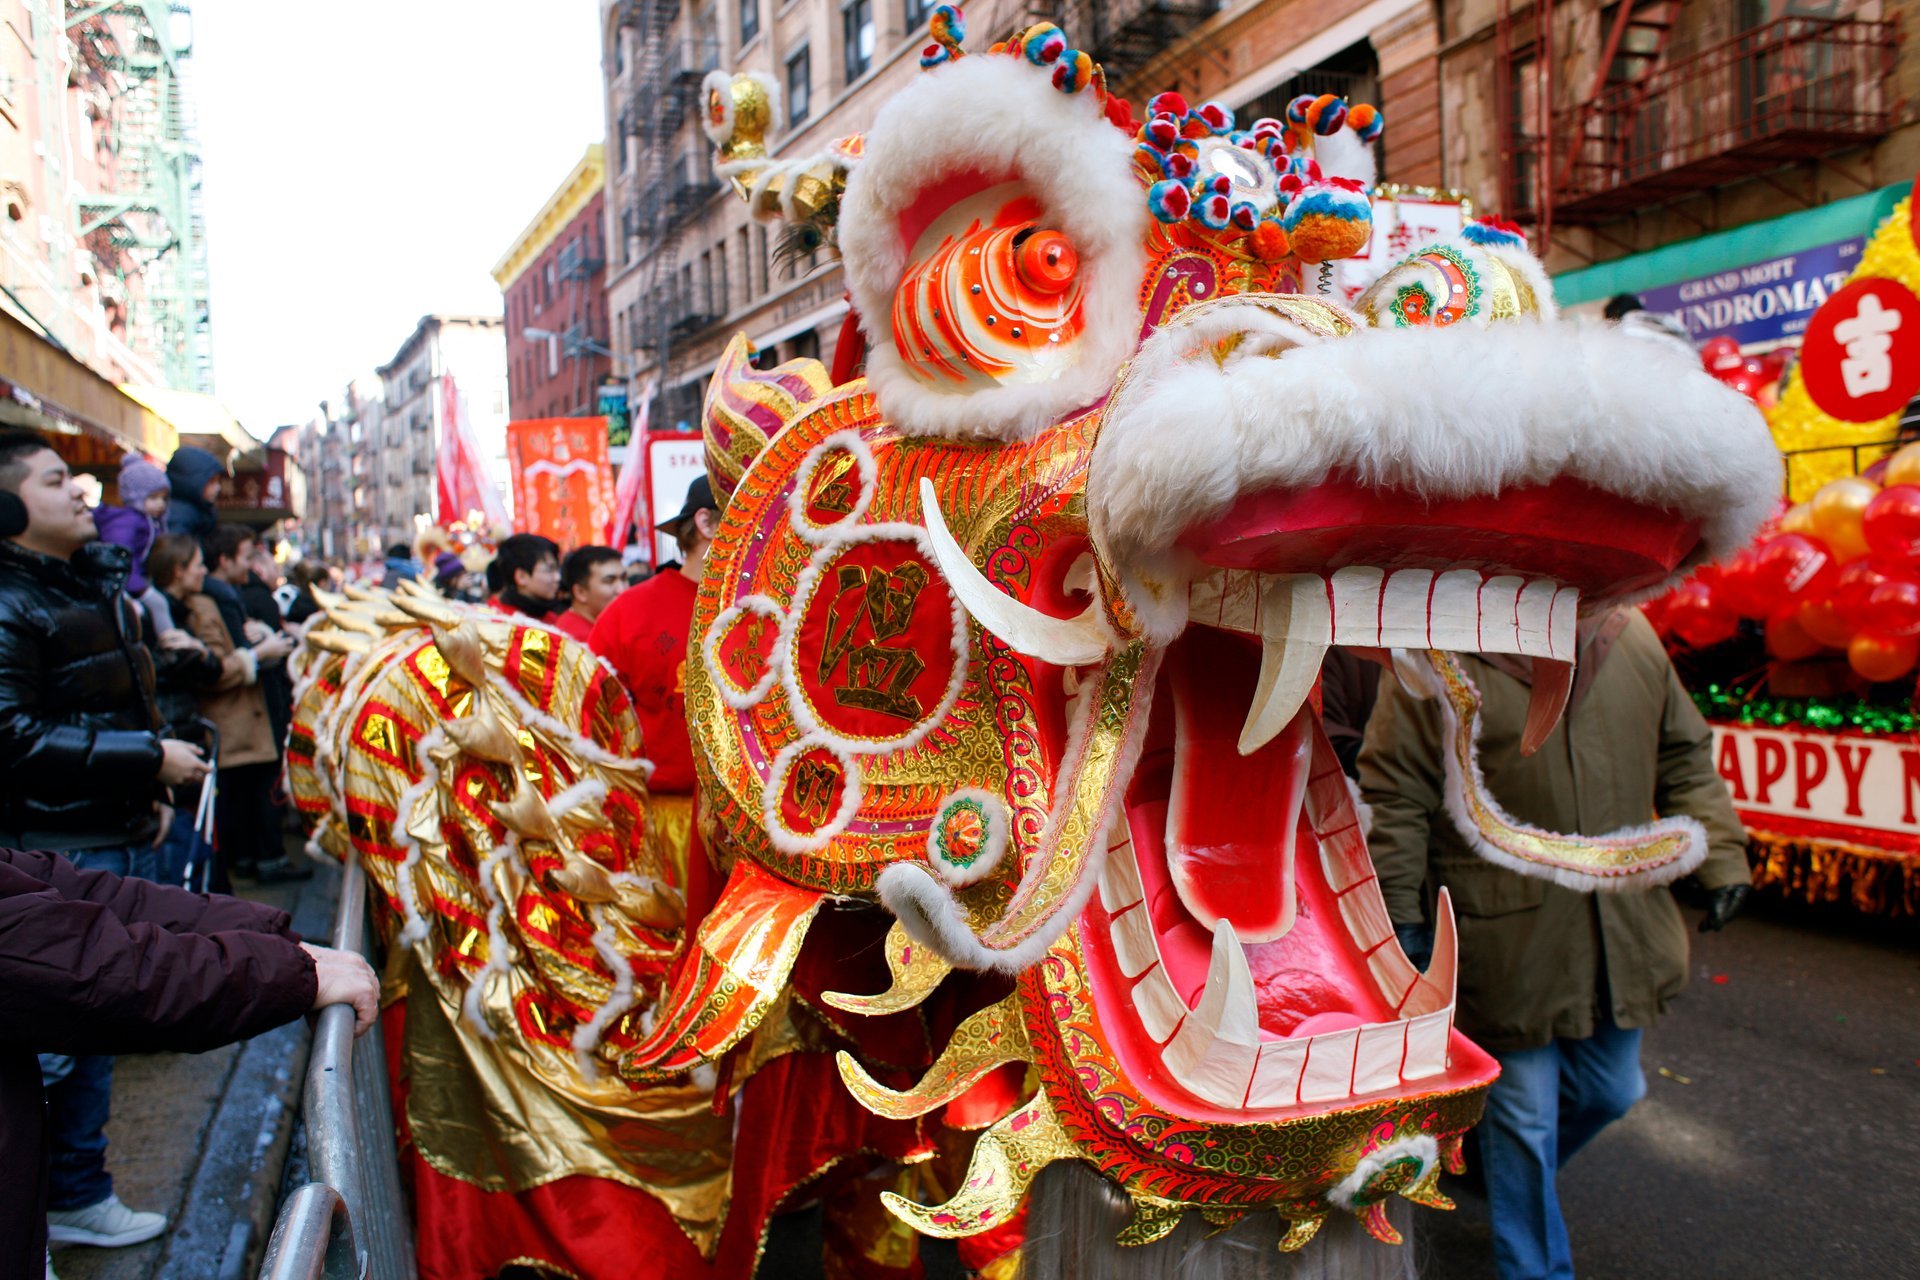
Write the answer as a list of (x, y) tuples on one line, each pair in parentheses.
[(1046, 261)]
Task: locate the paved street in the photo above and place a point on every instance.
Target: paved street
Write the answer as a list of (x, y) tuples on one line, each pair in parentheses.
[(1777, 1133)]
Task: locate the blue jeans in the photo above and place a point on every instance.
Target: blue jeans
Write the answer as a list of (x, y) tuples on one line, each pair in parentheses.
[(1547, 1104), (80, 1089)]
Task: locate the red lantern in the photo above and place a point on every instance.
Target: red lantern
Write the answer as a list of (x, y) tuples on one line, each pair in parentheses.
[(1792, 567), (1878, 657), (1787, 640), (1698, 619), (1891, 525)]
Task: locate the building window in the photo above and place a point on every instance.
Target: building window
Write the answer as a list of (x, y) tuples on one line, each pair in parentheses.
[(745, 255), (918, 11), (619, 52), (749, 20), (857, 22), (721, 302), (799, 86), (760, 234)]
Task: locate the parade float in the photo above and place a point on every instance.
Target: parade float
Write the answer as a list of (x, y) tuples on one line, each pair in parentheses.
[(1046, 908), (1802, 650)]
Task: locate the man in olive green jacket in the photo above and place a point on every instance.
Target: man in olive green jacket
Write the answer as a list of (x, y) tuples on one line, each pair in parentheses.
[(1555, 983)]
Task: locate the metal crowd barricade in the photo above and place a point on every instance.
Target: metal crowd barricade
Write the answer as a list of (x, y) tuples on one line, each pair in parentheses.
[(350, 1221)]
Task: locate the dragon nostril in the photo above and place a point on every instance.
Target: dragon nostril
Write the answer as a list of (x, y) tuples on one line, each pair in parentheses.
[(1046, 262)]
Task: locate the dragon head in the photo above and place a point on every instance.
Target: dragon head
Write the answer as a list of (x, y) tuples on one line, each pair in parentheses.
[(1020, 634)]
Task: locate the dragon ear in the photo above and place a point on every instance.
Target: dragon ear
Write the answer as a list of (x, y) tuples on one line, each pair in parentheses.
[(746, 407)]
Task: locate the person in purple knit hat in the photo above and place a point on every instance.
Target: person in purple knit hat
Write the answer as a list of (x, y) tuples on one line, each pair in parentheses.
[(139, 518)]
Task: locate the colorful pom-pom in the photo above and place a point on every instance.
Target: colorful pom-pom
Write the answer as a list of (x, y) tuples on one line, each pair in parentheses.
[(1298, 108), (1044, 44), (1151, 160), (1329, 220), (1366, 120), (1180, 164), (1214, 212), (1162, 131), (1267, 127), (1219, 185), (934, 55), (1244, 215), (1073, 71), (948, 24), (1497, 232), (1169, 201), (1269, 241), (1327, 115), (1218, 117), (1167, 104)]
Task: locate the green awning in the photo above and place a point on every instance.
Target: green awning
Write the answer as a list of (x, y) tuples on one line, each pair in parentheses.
[(1728, 250)]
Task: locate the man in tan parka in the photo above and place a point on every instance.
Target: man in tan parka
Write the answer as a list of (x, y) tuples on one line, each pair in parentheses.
[(1555, 983)]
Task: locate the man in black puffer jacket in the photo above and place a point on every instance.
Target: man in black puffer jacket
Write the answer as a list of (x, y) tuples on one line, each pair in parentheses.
[(83, 767)]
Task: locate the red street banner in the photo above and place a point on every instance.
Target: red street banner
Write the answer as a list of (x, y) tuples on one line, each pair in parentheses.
[(562, 483), (464, 486), (1846, 787)]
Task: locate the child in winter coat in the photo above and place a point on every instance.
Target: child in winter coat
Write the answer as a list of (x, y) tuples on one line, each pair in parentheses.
[(134, 524)]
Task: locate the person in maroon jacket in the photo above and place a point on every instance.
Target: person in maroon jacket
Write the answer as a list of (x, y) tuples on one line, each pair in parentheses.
[(91, 963)]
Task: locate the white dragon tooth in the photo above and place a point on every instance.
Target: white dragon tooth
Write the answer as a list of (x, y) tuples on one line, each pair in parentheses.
[(1295, 625), (1329, 1072), (1226, 598), (1534, 612), (1415, 673), (1562, 621), (1453, 616), (1376, 1058), (1403, 608), (1214, 1052), (1365, 912), (1120, 877), (1427, 1045), (1499, 630), (1356, 605), (1158, 1004), (1435, 989), (1064, 642), (1276, 1078), (1393, 972), (1133, 944)]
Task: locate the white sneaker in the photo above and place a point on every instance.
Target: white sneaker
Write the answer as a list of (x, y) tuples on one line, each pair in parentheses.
[(50, 1275), (108, 1225)]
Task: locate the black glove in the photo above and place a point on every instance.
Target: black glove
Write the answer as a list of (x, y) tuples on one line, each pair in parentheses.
[(1417, 941), (1723, 904)]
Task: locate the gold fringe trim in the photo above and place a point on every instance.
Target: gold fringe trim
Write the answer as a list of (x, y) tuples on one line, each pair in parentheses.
[(1871, 881)]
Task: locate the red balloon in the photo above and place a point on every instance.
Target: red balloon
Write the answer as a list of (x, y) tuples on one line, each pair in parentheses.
[(1788, 641), (1739, 587), (1880, 657), (1720, 353), (1698, 619), (1855, 583), (1819, 619), (1792, 567), (1891, 525), (1892, 607)]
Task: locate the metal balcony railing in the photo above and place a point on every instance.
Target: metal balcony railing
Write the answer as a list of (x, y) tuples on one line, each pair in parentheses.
[(1791, 89), (693, 59), (690, 184), (1124, 35)]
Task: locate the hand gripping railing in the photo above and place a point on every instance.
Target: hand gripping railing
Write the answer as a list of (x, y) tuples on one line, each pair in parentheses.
[(349, 1222)]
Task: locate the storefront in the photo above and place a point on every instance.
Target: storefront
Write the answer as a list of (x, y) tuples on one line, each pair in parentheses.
[(87, 419), (1758, 285)]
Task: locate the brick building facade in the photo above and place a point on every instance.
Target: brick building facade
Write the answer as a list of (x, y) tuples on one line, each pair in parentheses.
[(553, 286)]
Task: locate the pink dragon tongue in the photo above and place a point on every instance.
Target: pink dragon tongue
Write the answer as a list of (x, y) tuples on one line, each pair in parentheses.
[(1232, 819)]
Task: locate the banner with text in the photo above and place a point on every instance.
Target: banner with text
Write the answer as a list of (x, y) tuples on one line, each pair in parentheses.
[(562, 481), (1845, 787)]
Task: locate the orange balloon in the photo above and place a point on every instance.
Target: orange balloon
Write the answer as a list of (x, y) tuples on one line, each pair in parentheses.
[(1837, 511), (1904, 466), (1788, 641), (1819, 619), (1798, 519), (1879, 657)]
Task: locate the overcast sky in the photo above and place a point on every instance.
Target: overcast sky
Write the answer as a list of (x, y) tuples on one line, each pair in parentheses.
[(367, 162)]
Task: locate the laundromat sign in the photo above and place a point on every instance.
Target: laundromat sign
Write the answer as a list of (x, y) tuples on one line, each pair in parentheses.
[(1767, 302)]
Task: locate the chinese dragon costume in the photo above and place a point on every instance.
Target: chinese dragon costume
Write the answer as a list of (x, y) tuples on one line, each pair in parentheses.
[(1017, 637)]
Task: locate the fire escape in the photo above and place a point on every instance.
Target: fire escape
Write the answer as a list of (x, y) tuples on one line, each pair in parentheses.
[(1124, 36), (1651, 129), (671, 177), (148, 234)]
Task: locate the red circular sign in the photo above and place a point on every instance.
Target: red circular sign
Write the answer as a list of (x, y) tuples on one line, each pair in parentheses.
[(873, 654), (1861, 358)]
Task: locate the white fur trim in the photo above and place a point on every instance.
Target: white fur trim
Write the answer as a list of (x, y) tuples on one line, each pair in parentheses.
[(586, 792), (1564, 876), (587, 1035), (992, 115), (803, 588), (851, 792), (499, 947), (931, 915), (1421, 1147), (414, 931), (993, 815), (741, 700), (719, 132), (821, 535), (1448, 413), (1342, 154)]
